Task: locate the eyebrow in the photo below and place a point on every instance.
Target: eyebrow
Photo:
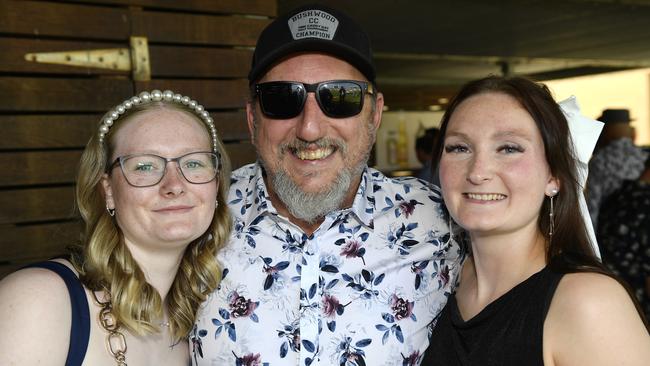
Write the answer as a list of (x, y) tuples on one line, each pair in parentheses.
[(501, 134)]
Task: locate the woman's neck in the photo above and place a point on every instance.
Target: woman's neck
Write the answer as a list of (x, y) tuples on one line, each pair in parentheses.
[(159, 266), (499, 263)]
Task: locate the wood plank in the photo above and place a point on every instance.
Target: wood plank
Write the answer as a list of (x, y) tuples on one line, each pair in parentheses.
[(40, 18), (252, 7), (73, 131), (36, 204), (231, 126), (31, 242), (199, 62), (197, 29), (12, 57), (38, 167), (26, 94), (211, 93), (47, 131), (241, 154)]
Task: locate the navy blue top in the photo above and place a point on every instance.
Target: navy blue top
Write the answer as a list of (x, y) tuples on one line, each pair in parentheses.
[(80, 327)]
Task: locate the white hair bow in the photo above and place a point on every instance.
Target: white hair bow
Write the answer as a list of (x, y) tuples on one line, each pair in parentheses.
[(584, 133)]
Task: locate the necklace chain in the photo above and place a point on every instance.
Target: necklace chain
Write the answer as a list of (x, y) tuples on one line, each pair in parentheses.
[(115, 339)]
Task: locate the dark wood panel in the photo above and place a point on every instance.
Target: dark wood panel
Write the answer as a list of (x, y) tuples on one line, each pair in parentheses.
[(197, 29), (210, 93), (38, 167), (47, 131), (12, 57), (74, 131), (199, 62), (34, 242), (252, 7), (54, 94), (36, 204), (231, 125), (41, 18), (241, 154)]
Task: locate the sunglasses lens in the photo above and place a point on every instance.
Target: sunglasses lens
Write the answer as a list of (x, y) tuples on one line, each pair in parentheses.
[(340, 99), (281, 100)]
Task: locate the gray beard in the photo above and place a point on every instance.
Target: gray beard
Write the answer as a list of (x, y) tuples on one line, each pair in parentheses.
[(310, 207)]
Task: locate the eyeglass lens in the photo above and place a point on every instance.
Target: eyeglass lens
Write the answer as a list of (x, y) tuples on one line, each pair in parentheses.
[(145, 170), (286, 99)]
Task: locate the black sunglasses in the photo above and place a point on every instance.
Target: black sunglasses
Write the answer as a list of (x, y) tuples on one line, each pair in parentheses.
[(336, 98)]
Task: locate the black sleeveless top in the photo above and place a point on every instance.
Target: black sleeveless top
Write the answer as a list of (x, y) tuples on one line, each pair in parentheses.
[(80, 327), (506, 332)]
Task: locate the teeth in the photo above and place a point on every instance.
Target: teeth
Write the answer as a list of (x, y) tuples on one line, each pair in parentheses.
[(316, 154), (486, 197)]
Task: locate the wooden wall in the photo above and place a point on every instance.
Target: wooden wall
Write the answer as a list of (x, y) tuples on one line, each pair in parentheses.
[(200, 48)]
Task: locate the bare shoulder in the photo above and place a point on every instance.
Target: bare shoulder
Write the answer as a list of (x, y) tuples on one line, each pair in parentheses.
[(593, 321), (34, 318)]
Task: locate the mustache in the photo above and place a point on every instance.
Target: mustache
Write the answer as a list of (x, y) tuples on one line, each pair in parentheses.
[(298, 144)]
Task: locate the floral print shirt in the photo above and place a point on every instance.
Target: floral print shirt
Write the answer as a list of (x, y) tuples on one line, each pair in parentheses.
[(624, 237), (620, 160), (363, 289)]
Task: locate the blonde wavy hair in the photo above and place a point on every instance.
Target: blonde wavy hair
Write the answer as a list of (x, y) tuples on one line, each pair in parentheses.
[(105, 263)]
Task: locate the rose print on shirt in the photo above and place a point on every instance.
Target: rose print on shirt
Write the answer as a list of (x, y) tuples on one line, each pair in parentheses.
[(400, 309)]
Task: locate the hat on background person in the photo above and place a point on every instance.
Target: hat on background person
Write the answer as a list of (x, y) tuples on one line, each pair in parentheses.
[(312, 28), (615, 116)]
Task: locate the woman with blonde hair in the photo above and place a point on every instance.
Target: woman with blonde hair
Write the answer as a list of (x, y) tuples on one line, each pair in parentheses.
[(150, 191)]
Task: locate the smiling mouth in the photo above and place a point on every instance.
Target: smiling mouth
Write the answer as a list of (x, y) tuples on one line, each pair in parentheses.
[(313, 154), (485, 196)]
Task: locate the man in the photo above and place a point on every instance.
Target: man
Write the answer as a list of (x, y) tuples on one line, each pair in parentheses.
[(329, 262), (616, 159)]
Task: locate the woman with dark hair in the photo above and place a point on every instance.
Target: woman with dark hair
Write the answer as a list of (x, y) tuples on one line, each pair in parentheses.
[(532, 291), (151, 192)]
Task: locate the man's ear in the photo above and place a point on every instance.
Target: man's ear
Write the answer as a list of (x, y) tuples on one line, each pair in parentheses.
[(107, 191), (250, 118), (379, 109)]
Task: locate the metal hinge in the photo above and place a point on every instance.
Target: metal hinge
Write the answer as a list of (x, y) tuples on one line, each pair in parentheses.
[(135, 59)]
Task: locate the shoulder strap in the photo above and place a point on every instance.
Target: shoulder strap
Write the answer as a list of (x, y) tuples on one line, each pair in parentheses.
[(80, 327)]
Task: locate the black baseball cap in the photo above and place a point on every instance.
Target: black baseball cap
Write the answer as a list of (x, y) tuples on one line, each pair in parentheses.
[(313, 28)]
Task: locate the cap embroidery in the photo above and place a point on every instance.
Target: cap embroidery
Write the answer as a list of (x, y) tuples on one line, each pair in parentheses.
[(313, 24)]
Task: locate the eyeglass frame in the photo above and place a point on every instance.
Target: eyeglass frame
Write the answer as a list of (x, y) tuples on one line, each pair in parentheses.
[(119, 160), (366, 88)]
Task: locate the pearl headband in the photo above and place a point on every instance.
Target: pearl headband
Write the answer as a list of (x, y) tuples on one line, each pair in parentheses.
[(156, 96)]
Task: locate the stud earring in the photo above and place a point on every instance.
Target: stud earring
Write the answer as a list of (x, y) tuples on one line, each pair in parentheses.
[(111, 211)]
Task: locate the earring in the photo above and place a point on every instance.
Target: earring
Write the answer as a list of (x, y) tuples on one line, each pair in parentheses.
[(551, 220), (216, 204), (111, 211)]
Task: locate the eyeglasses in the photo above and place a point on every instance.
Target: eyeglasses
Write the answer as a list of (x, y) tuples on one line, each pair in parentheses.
[(146, 170), (336, 98)]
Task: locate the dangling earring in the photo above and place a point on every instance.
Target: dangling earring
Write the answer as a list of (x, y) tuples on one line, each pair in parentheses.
[(111, 211), (216, 204), (551, 214)]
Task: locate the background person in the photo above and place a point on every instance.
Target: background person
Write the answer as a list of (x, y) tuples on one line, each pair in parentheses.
[(150, 191), (624, 235), (532, 292), (423, 149), (330, 261), (615, 160)]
